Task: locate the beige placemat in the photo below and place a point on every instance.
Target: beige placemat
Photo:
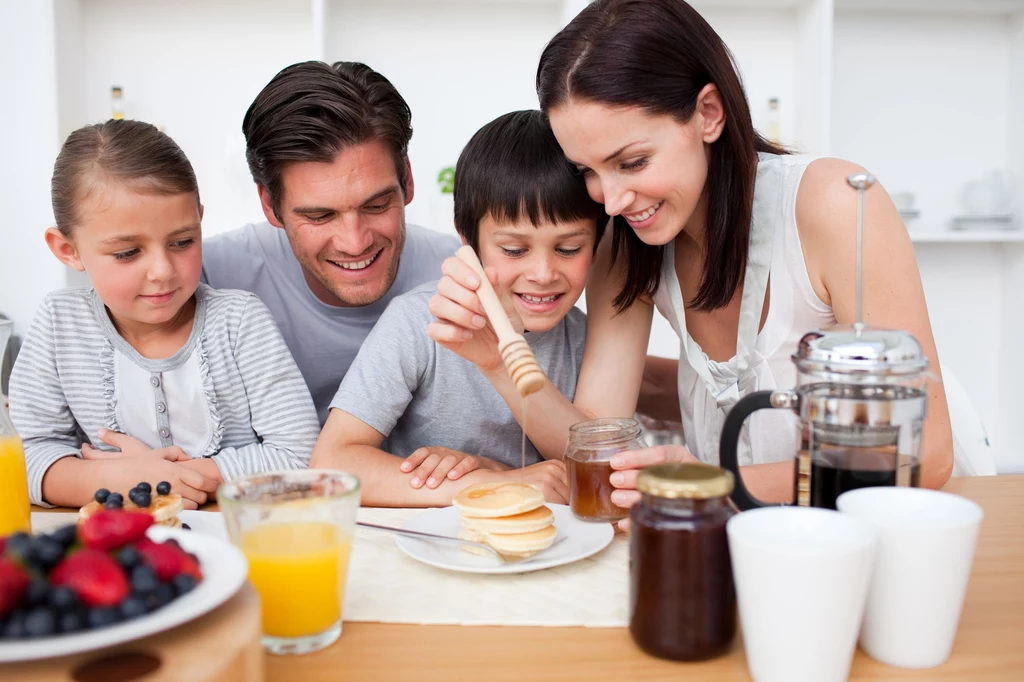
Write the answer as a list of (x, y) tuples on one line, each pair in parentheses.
[(386, 586)]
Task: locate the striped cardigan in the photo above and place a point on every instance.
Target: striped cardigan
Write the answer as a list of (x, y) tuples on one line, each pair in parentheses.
[(63, 386)]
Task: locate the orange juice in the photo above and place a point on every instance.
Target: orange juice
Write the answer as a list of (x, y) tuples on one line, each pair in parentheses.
[(14, 507), (299, 570)]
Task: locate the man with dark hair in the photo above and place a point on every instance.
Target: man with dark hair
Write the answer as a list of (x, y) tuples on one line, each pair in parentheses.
[(327, 146)]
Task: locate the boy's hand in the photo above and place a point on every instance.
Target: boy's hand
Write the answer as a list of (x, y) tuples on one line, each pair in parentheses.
[(550, 476), (430, 466), (461, 324)]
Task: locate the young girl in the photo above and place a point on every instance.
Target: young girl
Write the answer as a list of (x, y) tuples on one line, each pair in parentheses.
[(148, 375)]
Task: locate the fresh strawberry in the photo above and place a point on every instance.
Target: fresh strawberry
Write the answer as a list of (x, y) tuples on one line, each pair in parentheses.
[(112, 529), (168, 560), (94, 576), (14, 581)]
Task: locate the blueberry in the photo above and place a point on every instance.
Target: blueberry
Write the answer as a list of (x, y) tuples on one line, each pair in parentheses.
[(19, 545), (113, 504), (63, 599), (38, 592), (40, 622), (183, 583), (133, 495), (163, 488), (72, 621), (144, 580), (15, 628), (129, 558), (102, 616), (185, 526), (65, 535), (101, 495), (164, 594), (133, 607), (116, 496), (47, 552), (143, 500), (144, 487)]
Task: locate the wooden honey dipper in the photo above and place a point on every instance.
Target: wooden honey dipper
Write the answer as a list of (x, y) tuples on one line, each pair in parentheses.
[(515, 352)]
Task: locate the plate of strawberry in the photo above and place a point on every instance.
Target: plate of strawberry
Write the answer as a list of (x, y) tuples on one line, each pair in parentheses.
[(113, 578)]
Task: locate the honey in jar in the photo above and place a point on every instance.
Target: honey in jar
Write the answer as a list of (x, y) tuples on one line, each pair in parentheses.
[(592, 444), (682, 599)]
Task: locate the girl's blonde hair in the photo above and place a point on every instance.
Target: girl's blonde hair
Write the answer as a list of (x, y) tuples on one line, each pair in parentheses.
[(132, 152)]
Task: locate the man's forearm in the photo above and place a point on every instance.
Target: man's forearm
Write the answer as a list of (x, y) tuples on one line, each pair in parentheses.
[(659, 392)]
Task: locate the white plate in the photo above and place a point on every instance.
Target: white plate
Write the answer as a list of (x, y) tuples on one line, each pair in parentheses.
[(205, 522), (581, 539), (224, 572)]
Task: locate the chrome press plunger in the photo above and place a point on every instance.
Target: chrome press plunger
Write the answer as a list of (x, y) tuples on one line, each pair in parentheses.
[(860, 182)]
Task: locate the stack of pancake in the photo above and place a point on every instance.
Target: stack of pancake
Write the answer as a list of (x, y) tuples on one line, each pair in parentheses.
[(163, 508), (509, 517)]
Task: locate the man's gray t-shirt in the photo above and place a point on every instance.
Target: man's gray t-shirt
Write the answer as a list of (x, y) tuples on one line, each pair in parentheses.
[(418, 393), (323, 339)]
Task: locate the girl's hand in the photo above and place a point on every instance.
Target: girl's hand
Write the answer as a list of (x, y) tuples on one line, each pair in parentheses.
[(131, 447), (430, 466), (136, 462), (461, 324), (626, 467)]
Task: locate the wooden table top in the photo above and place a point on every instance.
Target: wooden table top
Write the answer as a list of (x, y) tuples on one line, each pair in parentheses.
[(989, 644)]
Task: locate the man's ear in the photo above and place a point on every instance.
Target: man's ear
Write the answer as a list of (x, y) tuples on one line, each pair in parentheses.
[(268, 206), (410, 186), (64, 249)]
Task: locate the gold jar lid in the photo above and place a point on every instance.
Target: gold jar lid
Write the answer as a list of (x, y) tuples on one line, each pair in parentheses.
[(691, 480)]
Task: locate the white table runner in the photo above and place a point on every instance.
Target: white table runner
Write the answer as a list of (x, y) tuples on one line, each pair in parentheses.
[(386, 586)]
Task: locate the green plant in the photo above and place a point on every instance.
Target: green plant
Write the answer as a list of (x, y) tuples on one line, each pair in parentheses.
[(446, 180)]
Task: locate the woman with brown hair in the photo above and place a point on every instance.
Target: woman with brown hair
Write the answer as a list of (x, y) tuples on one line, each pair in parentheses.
[(740, 245)]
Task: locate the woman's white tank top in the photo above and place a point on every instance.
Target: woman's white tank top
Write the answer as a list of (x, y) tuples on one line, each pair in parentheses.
[(707, 388)]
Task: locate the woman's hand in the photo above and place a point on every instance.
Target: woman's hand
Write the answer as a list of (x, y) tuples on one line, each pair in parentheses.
[(430, 466), (626, 467), (461, 324)]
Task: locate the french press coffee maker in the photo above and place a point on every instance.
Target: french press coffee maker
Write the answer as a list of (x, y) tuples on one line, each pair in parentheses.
[(861, 400)]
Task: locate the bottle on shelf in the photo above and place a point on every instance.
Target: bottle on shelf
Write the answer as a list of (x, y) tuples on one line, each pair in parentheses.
[(773, 128), (116, 102)]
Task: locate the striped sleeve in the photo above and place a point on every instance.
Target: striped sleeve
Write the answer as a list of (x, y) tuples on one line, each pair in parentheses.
[(280, 405), (39, 408)]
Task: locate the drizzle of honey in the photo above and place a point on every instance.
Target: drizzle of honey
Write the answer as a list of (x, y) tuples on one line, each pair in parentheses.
[(477, 494), (522, 461)]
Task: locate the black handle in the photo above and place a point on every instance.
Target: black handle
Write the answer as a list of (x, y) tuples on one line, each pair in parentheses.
[(727, 457)]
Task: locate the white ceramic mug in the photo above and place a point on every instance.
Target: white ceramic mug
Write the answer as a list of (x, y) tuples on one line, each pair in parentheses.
[(801, 581), (926, 542)]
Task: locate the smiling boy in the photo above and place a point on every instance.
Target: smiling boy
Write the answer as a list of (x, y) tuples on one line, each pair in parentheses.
[(528, 216)]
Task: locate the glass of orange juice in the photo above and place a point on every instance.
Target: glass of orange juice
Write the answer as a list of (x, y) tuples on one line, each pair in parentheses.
[(296, 530)]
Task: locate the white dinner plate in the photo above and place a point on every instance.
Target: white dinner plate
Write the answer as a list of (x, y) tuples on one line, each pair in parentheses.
[(206, 522), (575, 540), (224, 572)]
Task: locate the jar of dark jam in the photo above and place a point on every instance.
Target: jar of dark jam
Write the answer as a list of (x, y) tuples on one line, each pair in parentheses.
[(682, 600)]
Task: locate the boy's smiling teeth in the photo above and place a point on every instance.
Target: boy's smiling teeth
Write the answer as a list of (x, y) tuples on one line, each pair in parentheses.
[(359, 265), (642, 215), (539, 299)]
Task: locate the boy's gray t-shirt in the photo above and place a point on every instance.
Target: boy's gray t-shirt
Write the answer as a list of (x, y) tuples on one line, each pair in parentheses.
[(323, 339), (418, 393)]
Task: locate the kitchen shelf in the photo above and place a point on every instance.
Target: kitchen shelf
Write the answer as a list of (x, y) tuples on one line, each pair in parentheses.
[(967, 236)]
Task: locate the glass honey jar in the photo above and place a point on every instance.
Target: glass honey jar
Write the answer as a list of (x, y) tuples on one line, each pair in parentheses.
[(682, 599)]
